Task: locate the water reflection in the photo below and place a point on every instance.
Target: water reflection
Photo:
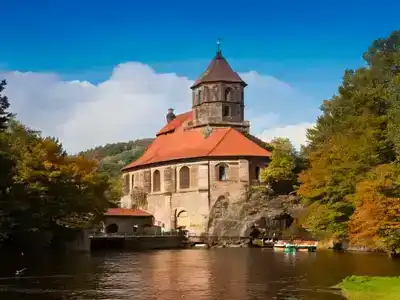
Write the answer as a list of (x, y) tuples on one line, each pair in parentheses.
[(189, 274)]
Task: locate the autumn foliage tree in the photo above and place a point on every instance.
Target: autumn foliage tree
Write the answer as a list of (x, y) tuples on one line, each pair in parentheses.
[(356, 136), (45, 191), (376, 220)]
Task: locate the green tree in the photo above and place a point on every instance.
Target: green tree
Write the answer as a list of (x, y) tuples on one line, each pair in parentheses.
[(280, 173), (45, 194), (114, 192), (6, 161), (355, 133), (50, 190), (4, 105)]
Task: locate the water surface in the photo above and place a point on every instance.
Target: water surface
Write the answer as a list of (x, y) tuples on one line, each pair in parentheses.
[(239, 273)]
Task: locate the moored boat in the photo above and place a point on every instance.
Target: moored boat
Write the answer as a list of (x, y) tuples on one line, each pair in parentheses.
[(297, 245)]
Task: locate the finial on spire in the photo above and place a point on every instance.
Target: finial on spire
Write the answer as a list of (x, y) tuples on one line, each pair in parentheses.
[(219, 46)]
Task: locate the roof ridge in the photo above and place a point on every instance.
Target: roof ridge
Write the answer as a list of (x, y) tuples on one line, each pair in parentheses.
[(220, 141)]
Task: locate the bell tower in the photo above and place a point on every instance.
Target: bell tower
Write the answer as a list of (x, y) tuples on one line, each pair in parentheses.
[(218, 96)]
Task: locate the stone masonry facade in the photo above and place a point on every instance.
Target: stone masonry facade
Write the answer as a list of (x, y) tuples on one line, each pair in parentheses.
[(188, 207), (219, 104), (182, 188)]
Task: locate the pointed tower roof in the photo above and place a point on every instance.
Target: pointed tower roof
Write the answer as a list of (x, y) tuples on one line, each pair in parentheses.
[(218, 70)]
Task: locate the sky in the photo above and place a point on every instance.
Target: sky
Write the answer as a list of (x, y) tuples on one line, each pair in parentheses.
[(96, 72)]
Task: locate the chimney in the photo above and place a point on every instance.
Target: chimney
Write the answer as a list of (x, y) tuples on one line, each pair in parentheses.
[(170, 115)]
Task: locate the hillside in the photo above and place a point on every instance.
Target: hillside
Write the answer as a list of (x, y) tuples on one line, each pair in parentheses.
[(114, 156)]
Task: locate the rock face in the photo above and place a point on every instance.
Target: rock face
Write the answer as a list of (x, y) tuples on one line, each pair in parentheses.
[(273, 213)]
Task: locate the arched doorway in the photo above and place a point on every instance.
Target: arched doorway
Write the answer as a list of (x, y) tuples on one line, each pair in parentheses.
[(112, 228), (182, 220)]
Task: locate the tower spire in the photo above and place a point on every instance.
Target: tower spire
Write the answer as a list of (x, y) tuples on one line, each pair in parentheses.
[(219, 52), (218, 71)]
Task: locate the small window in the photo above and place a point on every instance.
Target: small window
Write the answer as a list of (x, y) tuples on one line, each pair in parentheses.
[(228, 93), (184, 178), (133, 181), (222, 172), (156, 181), (199, 97), (226, 111)]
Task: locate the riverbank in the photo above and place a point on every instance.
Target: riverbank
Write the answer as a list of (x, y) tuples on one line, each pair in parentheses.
[(371, 288)]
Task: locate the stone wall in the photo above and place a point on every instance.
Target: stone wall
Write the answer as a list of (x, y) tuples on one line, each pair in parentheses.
[(172, 200), (125, 224), (173, 206), (154, 242), (255, 163), (219, 103), (235, 184)]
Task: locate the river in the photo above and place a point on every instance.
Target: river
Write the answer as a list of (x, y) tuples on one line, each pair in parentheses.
[(229, 273)]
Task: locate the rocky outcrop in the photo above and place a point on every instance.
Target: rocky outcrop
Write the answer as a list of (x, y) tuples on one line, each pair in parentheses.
[(274, 213)]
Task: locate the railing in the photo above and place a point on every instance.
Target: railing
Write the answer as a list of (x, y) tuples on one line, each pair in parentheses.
[(125, 235)]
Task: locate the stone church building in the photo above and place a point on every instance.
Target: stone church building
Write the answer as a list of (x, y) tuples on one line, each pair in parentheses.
[(201, 160)]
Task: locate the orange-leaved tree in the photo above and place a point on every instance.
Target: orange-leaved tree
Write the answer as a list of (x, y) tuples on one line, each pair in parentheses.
[(355, 134), (50, 189), (376, 221)]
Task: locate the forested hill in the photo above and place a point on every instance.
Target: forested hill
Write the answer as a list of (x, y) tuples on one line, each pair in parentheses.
[(114, 156), (117, 148)]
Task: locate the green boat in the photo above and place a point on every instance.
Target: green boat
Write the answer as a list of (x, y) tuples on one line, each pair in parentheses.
[(289, 248)]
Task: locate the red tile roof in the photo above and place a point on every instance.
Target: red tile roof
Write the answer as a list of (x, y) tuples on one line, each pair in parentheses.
[(173, 143), (126, 212), (175, 123)]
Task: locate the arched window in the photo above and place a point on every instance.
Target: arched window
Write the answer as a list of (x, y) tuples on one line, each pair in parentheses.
[(126, 184), (257, 173), (132, 181), (184, 177), (222, 172), (228, 94), (156, 181)]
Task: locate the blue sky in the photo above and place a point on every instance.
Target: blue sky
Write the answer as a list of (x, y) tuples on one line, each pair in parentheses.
[(306, 44)]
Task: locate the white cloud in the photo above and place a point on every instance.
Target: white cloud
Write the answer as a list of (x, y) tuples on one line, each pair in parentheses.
[(132, 103), (296, 133)]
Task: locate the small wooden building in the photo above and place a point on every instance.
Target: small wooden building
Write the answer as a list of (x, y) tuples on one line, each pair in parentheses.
[(127, 220)]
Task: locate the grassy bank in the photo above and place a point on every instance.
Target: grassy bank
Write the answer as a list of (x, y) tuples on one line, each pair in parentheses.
[(371, 288)]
